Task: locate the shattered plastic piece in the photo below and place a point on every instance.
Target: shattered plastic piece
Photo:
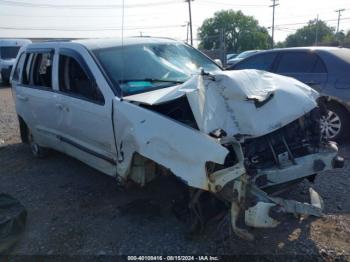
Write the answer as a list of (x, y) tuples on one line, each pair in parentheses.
[(258, 215), (297, 208), (316, 199), (235, 210)]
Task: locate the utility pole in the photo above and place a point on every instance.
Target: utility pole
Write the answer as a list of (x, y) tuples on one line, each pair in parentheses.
[(273, 20), (187, 31), (316, 37), (339, 15), (190, 15), (222, 46)]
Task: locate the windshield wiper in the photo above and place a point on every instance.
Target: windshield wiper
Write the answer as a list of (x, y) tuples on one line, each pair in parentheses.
[(152, 80)]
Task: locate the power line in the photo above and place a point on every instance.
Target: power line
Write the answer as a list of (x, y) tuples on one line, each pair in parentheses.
[(86, 29), (304, 23), (233, 5), (42, 5), (79, 16)]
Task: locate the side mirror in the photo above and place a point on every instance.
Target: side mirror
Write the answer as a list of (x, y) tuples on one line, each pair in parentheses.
[(218, 62)]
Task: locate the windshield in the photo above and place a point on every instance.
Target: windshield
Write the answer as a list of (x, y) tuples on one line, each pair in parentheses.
[(246, 54), (145, 67), (9, 52)]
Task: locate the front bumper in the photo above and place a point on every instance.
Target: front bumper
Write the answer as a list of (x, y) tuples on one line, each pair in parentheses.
[(325, 159), (246, 191)]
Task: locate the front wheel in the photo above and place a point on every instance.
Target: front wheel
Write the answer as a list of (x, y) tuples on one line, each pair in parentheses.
[(334, 124), (37, 150)]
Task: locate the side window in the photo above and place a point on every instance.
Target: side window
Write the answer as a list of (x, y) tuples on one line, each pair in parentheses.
[(19, 66), (42, 70), (319, 66), (300, 62), (27, 69), (74, 80), (259, 61)]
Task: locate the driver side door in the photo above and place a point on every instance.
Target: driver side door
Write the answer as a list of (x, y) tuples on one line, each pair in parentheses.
[(86, 130)]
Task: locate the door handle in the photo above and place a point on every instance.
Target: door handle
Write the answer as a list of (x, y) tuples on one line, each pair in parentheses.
[(23, 98), (62, 107), (312, 83), (59, 106)]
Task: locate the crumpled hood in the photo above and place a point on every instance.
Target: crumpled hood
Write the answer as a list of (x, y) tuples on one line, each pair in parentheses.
[(244, 102)]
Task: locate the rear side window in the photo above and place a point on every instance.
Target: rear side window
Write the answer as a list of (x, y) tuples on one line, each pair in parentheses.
[(42, 70), (74, 80), (19, 65), (259, 61), (37, 70), (27, 69), (300, 62)]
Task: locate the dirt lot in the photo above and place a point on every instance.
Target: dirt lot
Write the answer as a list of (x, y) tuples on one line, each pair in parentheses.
[(75, 210)]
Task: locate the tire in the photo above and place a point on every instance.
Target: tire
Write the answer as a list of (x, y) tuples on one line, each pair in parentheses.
[(37, 150), (335, 124)]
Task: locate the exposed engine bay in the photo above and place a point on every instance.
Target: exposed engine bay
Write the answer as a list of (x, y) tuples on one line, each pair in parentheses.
[(233, 136)]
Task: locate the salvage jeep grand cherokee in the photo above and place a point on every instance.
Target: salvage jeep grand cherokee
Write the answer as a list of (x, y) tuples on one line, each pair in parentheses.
[(155, 106)]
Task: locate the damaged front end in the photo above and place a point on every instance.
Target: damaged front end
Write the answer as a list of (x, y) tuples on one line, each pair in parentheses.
[(271, 163), (237, 135)]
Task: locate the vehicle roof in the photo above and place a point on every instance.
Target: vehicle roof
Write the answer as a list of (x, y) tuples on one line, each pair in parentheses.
[(14, 41), (308, 48), (99, 43)]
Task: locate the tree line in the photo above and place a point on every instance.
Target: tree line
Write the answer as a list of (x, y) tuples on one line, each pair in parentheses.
[(238, 32)]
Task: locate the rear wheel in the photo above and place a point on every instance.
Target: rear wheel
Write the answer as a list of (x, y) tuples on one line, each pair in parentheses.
[(37, 150), (334, 124)]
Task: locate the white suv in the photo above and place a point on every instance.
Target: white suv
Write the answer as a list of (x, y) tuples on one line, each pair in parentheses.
[(155, 106)]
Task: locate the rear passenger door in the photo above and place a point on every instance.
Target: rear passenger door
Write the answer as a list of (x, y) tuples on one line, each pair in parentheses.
[(35, 96), (305, 66), (87, 131)]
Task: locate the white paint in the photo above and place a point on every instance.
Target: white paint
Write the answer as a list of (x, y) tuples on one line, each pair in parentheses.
[(223, 103), (173, 145), (258, 216)]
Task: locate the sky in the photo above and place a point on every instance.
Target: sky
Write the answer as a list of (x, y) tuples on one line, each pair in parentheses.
[(166, 18)]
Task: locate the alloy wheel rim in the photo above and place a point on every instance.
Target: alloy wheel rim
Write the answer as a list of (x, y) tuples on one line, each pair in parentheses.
[(330, 125)]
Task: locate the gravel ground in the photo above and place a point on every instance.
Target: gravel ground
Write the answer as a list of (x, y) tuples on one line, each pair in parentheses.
[(75, 210)]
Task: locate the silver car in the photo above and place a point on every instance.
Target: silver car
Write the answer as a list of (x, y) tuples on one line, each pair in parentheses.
[(326, 69)]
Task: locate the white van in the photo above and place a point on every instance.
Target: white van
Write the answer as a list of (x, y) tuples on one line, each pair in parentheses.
[(149, 106), (8, 52)]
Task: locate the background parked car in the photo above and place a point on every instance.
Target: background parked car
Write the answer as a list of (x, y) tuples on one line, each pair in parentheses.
[(241, 56), (8, 51), (230, 56), (326, 69)]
